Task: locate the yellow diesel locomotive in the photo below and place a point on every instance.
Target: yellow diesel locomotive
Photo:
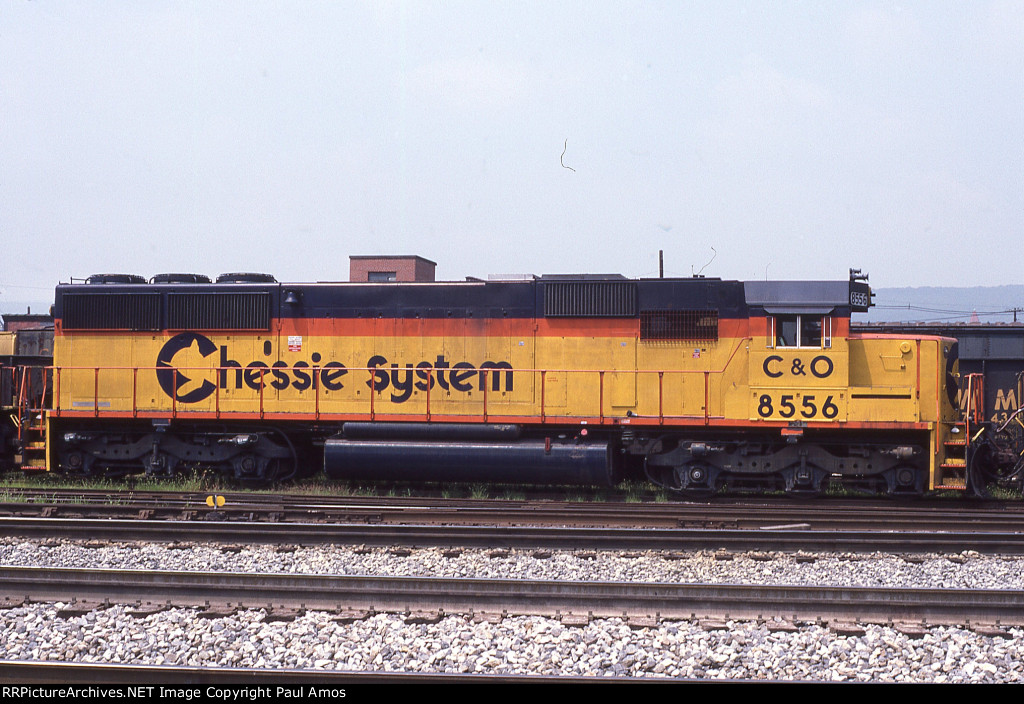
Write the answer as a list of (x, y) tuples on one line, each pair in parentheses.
[(695, 383)]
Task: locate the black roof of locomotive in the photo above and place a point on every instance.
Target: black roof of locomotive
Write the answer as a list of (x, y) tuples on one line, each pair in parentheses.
[(552, 296)]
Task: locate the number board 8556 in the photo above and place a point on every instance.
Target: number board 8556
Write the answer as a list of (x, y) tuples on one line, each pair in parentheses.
[(828, 405)]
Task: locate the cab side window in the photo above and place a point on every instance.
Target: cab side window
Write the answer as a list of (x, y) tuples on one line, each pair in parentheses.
[(801, 331)]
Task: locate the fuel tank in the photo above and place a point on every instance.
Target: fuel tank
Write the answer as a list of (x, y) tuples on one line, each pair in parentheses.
[(531, 461)]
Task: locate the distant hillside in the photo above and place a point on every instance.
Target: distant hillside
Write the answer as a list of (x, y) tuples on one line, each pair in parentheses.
[(946, 304)]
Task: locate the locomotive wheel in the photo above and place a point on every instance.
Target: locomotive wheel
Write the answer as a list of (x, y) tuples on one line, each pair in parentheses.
[(806, 480), (82, 464), (77, 463), (257, 472), (265, 462), (696, 480), (904, 480)]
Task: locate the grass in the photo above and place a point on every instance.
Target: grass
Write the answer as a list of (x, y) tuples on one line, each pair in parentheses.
[(189, 483), (636, 492), (201, 483), (186, 483), (1004, 493), (479, 491), (12, 485), (11, 497), (837, 490)]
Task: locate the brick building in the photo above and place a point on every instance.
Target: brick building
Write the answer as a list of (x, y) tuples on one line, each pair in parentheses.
[(403, 267), (26, 321)]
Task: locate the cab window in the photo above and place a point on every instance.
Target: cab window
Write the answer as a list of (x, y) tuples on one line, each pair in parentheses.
[(801, 331)]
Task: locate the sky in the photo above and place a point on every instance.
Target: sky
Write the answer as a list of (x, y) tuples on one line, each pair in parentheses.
[(748, 140)]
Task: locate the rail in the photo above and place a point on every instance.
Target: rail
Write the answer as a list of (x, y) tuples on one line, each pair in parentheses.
[(541, 597)]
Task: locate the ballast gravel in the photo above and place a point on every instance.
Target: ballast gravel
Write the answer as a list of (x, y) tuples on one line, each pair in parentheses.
[(521, 645)]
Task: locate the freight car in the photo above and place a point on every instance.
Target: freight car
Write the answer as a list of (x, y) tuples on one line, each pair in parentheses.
[(995, 353), (694, 383)]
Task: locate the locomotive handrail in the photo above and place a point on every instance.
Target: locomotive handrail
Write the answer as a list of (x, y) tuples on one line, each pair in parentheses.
[(417, 379), (427, 373), (429, 369), (23, 394)]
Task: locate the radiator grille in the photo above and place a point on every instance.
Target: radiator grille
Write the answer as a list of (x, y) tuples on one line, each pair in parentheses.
[(218, 311), (679, 325), (111, 311), (590, 299)]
